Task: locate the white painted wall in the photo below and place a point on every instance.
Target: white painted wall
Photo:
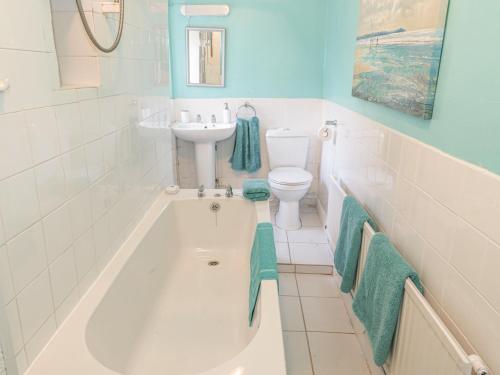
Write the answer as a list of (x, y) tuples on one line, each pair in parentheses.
[(78, 167), (304, 114), (441, 213)]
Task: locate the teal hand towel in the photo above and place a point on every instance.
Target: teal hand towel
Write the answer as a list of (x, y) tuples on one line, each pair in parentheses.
[(262, 264), (348, 246), (246, 152), (380, 294), (256, 190)]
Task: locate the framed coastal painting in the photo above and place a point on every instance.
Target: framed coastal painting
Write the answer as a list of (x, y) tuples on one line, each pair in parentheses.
[(398, 52)]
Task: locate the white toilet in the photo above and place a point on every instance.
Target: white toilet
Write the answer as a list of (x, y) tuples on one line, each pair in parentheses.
[(288, 179)]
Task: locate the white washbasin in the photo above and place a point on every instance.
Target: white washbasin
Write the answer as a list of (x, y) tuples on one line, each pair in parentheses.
[(203, 133)]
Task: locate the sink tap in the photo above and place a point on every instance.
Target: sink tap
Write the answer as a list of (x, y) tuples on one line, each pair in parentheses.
[(198, 118), (214, 119), (201, 191), (229, 191)]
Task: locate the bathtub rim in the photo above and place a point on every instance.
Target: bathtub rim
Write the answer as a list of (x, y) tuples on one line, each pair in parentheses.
[(67, 350)]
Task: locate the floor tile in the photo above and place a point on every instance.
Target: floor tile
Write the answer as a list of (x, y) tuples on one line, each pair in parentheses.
[(291, 314), (288, 285), (282, 253), (307, 235), (317, 286), (326, 315), (280, 235), (334, 353), (310, 219), (314, 269), (298, 361), (316, 254)]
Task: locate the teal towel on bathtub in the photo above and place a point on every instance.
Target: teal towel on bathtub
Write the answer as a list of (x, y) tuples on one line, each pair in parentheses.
[(348, 246), (262, 264), (380, 294), (246, 152), (256, 190)]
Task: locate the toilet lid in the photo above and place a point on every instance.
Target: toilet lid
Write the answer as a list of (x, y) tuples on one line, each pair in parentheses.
[(290, 176)]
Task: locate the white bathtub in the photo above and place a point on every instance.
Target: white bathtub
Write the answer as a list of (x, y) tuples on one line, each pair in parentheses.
[(160, 308)]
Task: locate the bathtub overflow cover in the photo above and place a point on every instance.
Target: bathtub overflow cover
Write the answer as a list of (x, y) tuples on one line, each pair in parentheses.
[(213, 263), (214, 206)]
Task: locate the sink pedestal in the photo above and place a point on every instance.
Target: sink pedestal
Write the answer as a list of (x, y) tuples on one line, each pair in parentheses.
[(204, 137), (205, 164)]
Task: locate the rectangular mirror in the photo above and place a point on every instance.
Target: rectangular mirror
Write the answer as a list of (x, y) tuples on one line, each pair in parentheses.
[(205, 56)]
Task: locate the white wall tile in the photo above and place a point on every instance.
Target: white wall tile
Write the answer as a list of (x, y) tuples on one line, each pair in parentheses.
[(69, 126), (468, 250), (39, 340), (85, 258), (35, 305), (95, 160), (63, 311), (19, 205), (75, 171), (91, 120), (489, 282), (15, 150), (27, 256), (81, 213), (43, 134), (58, 233), (21, 362), (14, 326), (6, 285), (62, 276), (51, 185)]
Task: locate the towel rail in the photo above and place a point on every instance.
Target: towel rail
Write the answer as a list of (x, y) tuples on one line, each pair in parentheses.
[(246, 105)]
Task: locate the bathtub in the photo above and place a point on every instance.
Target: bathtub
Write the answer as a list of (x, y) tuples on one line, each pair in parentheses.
[(174, 299)]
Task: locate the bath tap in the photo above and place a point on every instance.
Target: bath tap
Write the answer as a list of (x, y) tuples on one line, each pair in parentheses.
[(201, 191), (229, 191)]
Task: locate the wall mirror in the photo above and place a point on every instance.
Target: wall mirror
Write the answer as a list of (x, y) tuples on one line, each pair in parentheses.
[(205, 56)]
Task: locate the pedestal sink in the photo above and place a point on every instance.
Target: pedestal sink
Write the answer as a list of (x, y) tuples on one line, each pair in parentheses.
[(204, 137)]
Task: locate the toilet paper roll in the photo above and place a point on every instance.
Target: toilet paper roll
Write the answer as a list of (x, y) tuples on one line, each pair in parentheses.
[(325, 133)]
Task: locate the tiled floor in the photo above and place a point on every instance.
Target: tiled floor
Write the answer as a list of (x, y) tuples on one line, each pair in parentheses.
[(318, 335), (305, 250)]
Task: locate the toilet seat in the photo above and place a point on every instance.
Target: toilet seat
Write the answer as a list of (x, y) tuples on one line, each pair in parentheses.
[(290, 177)]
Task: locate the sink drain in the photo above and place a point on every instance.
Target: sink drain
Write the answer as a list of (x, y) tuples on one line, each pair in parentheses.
[(213, 263)]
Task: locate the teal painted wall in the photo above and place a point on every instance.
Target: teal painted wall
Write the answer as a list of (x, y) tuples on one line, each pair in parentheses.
[(466, 121), (274, 49)]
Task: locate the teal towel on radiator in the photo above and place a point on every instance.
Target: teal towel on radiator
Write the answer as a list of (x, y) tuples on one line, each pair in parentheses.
[(349, 243), (262, 264), (256, 190), (246, 152), (380, 294)]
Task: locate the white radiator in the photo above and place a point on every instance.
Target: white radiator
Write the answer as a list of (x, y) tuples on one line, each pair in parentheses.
[(422, 344)]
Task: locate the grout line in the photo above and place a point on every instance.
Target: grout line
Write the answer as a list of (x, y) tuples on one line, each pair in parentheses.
[(305, 327)]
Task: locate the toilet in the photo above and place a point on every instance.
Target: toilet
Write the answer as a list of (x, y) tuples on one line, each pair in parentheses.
[(288, 179)]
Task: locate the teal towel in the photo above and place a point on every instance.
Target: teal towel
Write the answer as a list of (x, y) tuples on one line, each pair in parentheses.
[(262, 263), (246, 153), (378, 300), (256, 190), (349, 243)]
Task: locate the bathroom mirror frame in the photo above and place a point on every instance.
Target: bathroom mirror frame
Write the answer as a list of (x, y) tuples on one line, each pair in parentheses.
[(222, 56)]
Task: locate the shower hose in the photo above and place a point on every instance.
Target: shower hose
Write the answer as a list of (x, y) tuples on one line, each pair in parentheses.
[(91, 34)]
